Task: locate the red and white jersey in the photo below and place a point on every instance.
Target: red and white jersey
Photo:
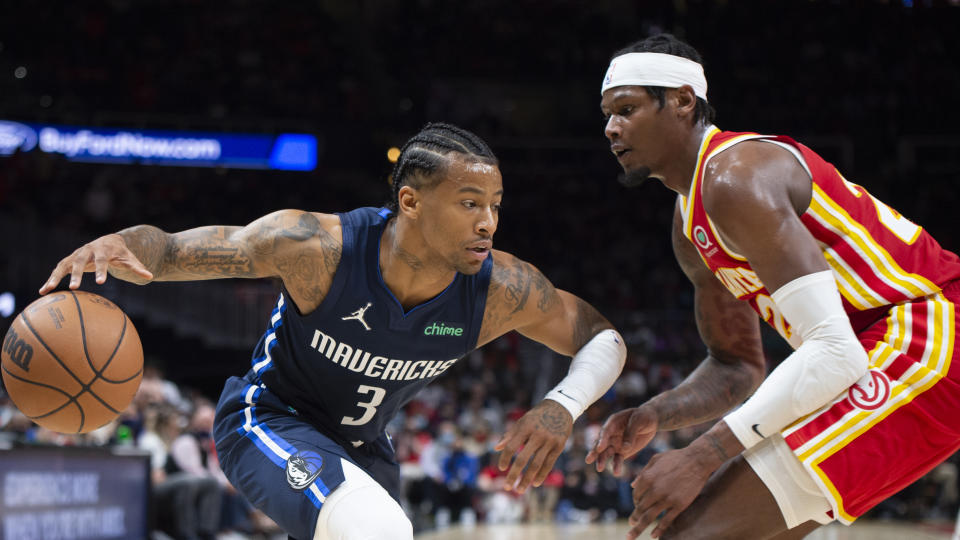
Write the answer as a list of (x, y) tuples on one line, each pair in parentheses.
[(878, 257)]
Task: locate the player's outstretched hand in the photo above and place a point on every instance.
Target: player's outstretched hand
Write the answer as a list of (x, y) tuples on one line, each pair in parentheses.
[(667, 485), (623, 435), (537, 439), (105, 253)]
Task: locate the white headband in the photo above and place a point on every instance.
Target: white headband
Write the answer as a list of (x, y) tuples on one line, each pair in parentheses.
[(655, 69)]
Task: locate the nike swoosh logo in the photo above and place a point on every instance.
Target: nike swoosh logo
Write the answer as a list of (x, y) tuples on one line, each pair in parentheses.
[(757, 431), (566, 395)]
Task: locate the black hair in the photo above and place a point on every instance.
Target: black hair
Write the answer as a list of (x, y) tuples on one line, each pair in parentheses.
[(669, 44), (426, 154)]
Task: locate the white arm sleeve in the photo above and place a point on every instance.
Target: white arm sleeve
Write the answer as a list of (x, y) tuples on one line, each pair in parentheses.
[(828, 361), (593, 371)]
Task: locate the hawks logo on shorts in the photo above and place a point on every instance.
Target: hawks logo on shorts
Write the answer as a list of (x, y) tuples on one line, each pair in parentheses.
[(302, 469), (871, 391)]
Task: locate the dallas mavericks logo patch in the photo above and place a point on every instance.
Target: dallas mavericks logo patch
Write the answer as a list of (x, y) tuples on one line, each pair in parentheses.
[(302, 469)]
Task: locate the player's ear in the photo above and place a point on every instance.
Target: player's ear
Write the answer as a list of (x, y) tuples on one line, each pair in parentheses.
[(408, 202), (685, 100)]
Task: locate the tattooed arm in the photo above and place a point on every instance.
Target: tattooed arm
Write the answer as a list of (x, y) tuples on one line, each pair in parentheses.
[(521, 298), (733, 368), (302, 248), (730, 329)]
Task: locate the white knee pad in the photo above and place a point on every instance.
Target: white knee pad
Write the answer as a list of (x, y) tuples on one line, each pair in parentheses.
[(360, 509)]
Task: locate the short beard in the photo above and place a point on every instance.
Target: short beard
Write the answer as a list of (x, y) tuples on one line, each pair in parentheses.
[(635, 177)]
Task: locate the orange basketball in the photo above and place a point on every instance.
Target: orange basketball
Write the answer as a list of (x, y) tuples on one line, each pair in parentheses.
[(72, 361)]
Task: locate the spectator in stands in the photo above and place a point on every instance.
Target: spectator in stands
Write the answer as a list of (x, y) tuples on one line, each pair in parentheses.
[(460, 469), (188, 505)]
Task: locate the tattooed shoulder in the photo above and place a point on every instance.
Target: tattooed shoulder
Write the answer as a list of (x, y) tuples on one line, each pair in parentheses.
[(307, 252), (515, 285)]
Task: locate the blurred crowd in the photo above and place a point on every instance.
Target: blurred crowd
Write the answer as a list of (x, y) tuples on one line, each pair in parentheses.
[(444, 443), (364, 76), (191, 498)]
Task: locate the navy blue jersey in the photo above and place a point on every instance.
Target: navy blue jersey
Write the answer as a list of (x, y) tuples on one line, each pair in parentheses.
[(352, 363)]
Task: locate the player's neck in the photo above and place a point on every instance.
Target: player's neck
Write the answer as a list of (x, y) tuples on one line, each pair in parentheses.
[(411, 274), (679, 174)]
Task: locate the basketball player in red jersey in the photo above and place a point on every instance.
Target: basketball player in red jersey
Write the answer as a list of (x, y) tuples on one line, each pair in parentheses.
[(865, 404)]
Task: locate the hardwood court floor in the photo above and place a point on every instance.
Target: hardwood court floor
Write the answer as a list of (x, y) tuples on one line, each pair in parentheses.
[(876, 530)]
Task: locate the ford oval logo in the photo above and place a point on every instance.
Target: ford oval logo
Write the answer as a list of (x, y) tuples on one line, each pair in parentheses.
[(14, 136)]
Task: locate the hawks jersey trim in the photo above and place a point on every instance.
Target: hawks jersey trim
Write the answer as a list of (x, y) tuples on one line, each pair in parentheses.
[(856, 247), (878, 257), (688, 203)]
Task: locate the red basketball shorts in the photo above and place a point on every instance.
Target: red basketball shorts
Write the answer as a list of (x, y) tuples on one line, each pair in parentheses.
[(896, 423)]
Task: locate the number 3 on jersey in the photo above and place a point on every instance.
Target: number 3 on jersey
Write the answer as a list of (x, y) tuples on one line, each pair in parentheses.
[(370, 406)]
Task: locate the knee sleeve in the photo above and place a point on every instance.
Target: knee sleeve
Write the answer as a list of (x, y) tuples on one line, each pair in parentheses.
[(360, 509)]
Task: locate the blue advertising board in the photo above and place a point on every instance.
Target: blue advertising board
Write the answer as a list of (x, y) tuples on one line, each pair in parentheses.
[(73, 494), (286, 151)]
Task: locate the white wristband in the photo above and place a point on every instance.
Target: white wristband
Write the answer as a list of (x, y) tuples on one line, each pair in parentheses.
[(593, 371)]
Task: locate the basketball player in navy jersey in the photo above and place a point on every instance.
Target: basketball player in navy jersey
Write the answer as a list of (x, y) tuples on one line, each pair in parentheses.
[(375, 304)]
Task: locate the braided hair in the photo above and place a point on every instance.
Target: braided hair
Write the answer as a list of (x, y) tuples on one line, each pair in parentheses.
[(669, 44), (426, 154)]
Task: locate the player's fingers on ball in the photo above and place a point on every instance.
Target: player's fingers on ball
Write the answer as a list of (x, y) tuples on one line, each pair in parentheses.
[(77, 266), (54, 278), (100, 267), (62, 269)]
